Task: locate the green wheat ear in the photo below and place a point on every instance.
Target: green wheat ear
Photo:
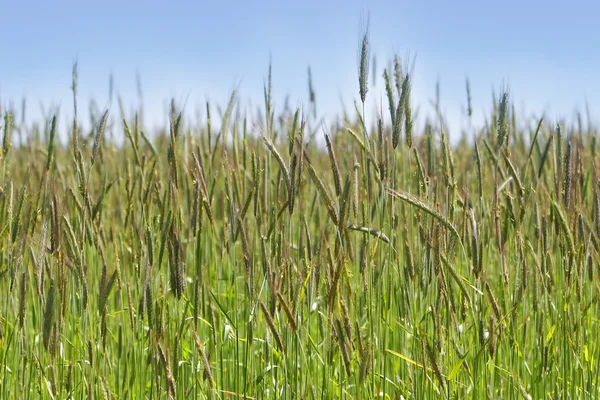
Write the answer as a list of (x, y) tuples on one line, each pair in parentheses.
[(6, 140), (469, 101), (363, 65), (312, 97), (99, 137), (51, 143), (503, 119), (408, 119), (389, 91), (49, 313)]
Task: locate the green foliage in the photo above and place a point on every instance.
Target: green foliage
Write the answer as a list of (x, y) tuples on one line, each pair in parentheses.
[(265, 266)]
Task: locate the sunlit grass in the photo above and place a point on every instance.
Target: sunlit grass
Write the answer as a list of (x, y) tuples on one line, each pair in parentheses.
[(250, 262)]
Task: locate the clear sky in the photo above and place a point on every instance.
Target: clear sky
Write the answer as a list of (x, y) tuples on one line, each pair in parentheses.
[(547, 52)]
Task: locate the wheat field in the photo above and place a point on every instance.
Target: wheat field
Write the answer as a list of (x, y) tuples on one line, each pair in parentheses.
[(280, 258)]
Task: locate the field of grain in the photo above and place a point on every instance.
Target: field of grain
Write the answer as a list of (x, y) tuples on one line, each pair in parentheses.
[(279, 258)]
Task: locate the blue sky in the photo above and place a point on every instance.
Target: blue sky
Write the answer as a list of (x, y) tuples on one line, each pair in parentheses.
[(546, 52)]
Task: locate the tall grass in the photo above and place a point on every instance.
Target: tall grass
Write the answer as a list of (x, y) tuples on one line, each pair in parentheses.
[(253, 263)]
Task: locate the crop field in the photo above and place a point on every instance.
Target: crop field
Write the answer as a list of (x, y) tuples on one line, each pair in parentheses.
[(275, 257)]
